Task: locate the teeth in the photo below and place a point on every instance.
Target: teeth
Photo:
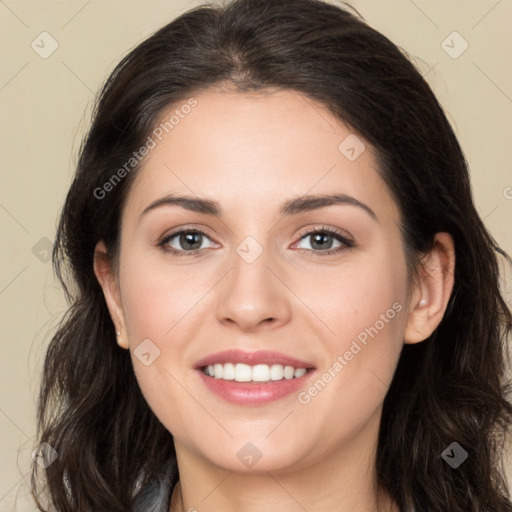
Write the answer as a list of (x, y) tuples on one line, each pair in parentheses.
[(257, 373), (260, 373), (289, 372), (228, 371)]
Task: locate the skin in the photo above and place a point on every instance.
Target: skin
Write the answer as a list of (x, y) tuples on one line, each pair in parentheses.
[(251, 152)]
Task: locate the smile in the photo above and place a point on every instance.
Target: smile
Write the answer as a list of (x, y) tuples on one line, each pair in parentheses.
[(253, 378)]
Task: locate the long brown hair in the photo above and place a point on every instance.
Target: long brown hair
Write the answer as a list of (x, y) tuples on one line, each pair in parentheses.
[(449, 388)]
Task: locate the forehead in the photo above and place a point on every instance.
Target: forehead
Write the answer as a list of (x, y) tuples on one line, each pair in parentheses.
[(252, 150)]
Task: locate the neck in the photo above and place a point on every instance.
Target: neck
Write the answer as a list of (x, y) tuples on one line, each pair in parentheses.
[(273, 495), (343, 480)]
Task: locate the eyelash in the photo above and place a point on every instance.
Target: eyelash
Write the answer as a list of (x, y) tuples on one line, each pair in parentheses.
[(305, 234)]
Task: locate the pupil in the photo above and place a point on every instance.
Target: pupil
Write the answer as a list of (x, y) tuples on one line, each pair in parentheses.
[(188, 239), (317, 239)]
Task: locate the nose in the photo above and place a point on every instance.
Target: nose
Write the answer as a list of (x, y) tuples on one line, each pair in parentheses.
[(253, 295)]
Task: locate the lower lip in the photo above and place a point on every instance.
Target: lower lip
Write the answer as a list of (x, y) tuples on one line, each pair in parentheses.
[(250, 393)]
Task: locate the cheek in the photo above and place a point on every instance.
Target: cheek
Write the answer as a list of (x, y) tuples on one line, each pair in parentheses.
[(159, 306), (367, 294), (156, 297), (367, 314)]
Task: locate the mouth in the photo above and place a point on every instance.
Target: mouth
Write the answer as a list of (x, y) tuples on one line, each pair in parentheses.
[(253, 378)]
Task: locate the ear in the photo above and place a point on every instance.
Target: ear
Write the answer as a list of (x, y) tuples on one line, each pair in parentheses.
[(109, 283), (432, 291)]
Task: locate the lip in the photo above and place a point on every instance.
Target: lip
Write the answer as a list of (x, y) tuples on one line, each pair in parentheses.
[(253, 393), (252, 358)]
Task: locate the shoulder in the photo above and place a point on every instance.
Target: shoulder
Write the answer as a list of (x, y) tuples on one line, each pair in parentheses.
[(156, 495)]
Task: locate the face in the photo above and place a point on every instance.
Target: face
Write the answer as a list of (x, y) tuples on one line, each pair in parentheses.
[(315, 285)]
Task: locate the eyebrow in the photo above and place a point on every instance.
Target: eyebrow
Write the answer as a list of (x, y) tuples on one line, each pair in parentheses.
[(291, 207)]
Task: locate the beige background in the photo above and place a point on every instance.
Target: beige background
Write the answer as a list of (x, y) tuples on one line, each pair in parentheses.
[(45, 106)]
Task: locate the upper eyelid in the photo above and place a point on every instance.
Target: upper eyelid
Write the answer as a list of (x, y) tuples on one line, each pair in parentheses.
[(180, 231), (320, 229)]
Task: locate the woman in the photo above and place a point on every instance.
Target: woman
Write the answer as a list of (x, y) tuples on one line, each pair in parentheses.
[(273, 217)]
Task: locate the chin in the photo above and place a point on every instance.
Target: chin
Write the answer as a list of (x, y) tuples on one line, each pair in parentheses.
[(255, 456)]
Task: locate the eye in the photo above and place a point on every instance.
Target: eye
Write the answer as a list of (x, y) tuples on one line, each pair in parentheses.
[(189, 242), (322, 240), (185, 242)]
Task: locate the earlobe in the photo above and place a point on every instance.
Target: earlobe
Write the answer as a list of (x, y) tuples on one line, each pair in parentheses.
[(121, 341), (433, 290), (108, 282)]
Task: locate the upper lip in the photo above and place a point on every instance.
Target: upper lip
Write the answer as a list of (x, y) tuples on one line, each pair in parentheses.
[(252, 358)]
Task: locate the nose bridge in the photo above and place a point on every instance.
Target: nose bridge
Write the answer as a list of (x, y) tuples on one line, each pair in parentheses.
[(251, 292), (250, 274)]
